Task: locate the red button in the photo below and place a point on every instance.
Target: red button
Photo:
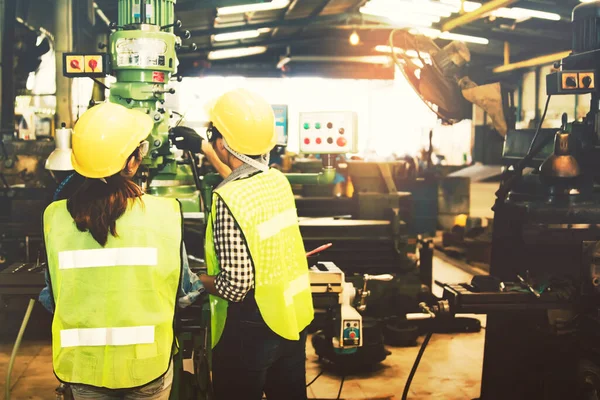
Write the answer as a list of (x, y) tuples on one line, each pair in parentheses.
[(307, 141), (341, 141), (352, 335), (318, 140)]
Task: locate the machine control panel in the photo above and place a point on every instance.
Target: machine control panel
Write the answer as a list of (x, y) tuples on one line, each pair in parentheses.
[(328, 132), (77, 65), (571, 82), (351, 335)]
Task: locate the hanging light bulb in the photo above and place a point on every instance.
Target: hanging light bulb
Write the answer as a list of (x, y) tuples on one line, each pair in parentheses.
[(354, 38)]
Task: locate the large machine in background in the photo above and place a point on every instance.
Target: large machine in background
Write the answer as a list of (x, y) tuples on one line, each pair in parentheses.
[(542, 295)]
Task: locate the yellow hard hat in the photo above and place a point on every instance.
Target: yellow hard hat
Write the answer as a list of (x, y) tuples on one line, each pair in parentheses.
[(246, 121), (105, 136)]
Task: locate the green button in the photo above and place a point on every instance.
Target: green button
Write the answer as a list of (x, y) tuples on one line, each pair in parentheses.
[(318, 125), (306, 125)]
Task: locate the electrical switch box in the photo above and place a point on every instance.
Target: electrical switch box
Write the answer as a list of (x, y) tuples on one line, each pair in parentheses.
[(571, 82), (334, 132), (77, 65)]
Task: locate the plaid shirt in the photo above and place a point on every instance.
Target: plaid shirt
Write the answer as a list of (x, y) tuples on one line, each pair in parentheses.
[(236, 276)]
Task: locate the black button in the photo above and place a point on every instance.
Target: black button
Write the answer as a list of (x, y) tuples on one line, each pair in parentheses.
[(587, 81), (330, 140), (571, 82)]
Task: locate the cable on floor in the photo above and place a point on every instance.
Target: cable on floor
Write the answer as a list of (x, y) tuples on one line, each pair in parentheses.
[(15, 350), (341, 387), (415, 365), (316, 377)]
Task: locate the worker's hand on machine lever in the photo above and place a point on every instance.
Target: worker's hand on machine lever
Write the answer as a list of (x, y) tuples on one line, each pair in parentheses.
[(185, 138)]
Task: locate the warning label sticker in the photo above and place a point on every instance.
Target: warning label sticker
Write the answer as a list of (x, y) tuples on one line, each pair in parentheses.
[(141, 52), (158, 77)]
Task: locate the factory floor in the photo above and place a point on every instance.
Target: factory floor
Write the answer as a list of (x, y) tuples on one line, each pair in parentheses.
[(450, 368)]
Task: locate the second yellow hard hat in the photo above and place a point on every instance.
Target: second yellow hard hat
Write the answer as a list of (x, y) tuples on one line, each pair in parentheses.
[(246, 121)]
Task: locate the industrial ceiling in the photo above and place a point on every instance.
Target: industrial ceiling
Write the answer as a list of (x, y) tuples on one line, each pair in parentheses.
[(312, 36)]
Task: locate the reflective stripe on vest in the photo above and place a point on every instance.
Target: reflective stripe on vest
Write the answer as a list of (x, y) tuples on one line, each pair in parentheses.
[(264, 207), (115, 305), (107, 336), (132, 256)]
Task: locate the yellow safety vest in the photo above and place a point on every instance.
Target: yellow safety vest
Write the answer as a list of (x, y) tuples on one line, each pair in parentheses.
[(115, 305), (264, 208)]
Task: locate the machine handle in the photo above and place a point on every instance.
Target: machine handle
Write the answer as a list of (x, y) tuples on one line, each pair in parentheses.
[(418, 316), (383, 277)]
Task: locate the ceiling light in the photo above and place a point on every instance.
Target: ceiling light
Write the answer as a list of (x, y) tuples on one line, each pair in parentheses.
[(354, 39), (425, 7), (518, 13), (436, 34), (398, 15), (468, 5), (234, 53), (224, 37), (254, 7), (586, 1), (404, 19)]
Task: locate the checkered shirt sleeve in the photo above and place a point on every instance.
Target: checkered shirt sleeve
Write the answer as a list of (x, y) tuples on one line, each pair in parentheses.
[(236, 276)]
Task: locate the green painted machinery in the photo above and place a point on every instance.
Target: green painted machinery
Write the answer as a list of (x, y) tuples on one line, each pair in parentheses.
[(143, 59)]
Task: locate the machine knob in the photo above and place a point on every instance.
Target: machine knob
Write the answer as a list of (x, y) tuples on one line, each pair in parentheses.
[(587, 81), (571, 82), (383, 277), (341, 141)]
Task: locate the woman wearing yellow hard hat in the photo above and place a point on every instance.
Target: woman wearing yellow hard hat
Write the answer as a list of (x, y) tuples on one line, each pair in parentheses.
[(114, 271), (258, 279)]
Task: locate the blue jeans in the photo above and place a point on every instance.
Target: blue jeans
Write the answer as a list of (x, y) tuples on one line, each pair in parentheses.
[(158, 389), (251, 359)]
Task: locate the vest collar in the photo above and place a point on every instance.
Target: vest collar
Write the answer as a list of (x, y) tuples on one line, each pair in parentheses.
[(242, 171)]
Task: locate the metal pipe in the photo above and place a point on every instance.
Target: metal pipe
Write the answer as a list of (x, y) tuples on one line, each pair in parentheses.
[(532, 62), (476, 14), (7, 96), (142, 11), (325, 177), (506, 53), (2, 3), (63, 22)]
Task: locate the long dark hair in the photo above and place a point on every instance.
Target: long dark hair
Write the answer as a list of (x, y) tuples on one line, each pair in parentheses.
[(96, 206)]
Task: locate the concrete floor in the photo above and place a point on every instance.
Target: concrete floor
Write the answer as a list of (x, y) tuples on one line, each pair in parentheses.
[(450, 368)]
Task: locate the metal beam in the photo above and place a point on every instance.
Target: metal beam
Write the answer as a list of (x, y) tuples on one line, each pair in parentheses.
[(475, 15), (532, 62), (299, 22), (562, 10)]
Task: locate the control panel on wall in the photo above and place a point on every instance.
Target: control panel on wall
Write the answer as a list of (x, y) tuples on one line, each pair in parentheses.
[(328, 132)]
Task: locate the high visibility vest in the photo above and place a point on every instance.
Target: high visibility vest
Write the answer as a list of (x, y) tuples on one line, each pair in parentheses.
[(264, 208), (115, 305)]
